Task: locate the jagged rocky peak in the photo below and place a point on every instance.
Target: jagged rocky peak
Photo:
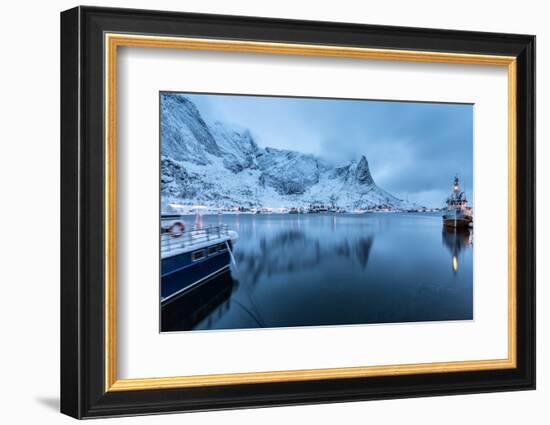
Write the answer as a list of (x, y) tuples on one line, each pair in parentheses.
[(362, 172), (354, 172)]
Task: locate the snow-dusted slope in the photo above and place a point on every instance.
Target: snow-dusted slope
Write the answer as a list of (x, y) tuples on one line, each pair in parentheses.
[(237, 147), (288, 172), (183, 133), (221, 166)]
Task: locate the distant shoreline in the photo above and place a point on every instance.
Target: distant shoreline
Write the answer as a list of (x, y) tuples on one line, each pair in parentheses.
[(192, 214)]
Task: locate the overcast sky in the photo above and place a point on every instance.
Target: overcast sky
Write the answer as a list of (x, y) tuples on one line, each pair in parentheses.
[(413, 149)]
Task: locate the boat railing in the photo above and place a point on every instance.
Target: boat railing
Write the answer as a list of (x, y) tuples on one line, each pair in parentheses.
[(195, 235)]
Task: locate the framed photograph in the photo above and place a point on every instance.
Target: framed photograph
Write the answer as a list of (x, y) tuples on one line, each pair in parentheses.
[(261, 212)]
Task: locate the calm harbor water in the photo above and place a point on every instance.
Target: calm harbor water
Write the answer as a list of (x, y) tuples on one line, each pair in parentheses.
[(325, 269)]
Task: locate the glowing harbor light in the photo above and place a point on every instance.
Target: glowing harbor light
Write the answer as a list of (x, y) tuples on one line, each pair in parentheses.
[(455, 263), (455, 185)]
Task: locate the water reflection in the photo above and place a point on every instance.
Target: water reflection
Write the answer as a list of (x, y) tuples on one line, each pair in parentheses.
[(317, 269), (293, 250), (206, 302), (456, 240)]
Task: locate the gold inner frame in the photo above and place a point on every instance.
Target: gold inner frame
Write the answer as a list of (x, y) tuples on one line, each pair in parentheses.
[(113, 41)]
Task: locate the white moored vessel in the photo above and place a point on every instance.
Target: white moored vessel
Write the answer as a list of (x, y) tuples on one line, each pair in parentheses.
[(457, 214)]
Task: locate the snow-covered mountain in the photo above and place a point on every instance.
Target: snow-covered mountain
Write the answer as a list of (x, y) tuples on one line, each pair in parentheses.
[(221, 166)]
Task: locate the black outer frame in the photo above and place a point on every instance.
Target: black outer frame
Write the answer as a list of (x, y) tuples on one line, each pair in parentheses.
[(82, 212)]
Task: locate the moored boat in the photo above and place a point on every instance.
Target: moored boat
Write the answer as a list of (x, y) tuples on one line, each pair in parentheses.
[(457, 214), (317, 207), (190, 256)]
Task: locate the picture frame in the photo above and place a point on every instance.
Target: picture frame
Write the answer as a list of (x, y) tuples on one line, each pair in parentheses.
[(90, 40)]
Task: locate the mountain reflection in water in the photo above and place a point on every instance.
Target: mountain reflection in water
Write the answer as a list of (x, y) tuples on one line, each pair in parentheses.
[(279, 255), (324, 269)]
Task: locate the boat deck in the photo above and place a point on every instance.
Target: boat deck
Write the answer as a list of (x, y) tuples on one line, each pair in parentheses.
[(195, 238)]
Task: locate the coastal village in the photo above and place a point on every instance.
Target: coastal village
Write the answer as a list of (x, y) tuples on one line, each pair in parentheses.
[(455, 213), (313, 208)]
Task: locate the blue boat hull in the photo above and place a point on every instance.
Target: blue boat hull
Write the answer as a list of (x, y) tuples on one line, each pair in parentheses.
[(181, 272), (206, 300)]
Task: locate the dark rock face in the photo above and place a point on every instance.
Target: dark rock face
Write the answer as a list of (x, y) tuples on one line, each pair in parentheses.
[(237, 146), (288, 172), (362, 172)]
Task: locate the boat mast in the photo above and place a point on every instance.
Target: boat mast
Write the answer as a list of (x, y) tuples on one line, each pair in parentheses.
[(455, 185)]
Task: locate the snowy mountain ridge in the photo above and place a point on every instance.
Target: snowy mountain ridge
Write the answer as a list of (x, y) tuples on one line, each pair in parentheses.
[(221, 166)]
